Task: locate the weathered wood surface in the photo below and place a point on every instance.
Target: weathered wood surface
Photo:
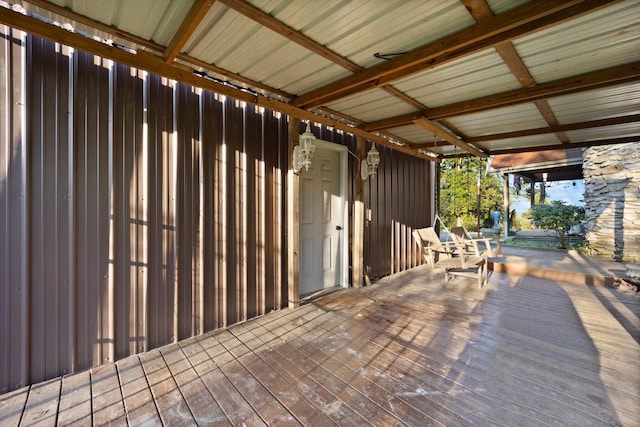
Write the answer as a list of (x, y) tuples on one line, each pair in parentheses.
[(411, 350)]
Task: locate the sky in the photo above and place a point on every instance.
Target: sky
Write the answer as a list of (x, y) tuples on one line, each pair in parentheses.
[(559, 190)]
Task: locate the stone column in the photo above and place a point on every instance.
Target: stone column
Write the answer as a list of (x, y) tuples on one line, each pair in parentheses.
[(612, 201)]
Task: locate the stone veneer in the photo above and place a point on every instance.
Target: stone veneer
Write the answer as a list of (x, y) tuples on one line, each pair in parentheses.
[(612, 201)]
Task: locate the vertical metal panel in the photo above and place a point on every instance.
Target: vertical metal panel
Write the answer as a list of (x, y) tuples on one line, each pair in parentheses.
[(252, 211), (14, 350), (276, 160), (188, 208), (92, 193), (211, 125), (221, 192), (162, 213), (233, 144), (50, 210), (129, 261)]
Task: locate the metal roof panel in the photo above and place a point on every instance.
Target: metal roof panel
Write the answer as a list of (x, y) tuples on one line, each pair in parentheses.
[(595, 41), (507, 119), (596, 104), (522, 142), (471, 77), (415, 134), (371, 105), (605, 132), (359, 28)]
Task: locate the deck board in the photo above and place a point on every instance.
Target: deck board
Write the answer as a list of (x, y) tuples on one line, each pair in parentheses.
[(410, 350), (42, 404), (235, 407), (138, 400), (172, 407), (279, 358), (75, 400), (259, 397), (12, 406), (106, 396), (203, 406)]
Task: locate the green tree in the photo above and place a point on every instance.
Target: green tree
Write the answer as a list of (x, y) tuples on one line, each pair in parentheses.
[(459, 189), (559, 217)]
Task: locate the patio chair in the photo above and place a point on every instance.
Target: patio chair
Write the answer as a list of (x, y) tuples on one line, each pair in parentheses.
[(453, 258), (431, 247), (461, 237)]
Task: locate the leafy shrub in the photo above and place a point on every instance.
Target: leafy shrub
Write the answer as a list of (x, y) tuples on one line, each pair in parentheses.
[(559, 217)]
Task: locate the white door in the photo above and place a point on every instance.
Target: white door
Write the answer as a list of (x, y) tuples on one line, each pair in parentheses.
[(321, 222)]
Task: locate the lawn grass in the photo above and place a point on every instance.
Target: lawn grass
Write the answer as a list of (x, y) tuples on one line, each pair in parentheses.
[(542, 244)]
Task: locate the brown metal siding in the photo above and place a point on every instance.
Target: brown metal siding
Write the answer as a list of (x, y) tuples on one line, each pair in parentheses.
[(397, 201), (92, 201), (136, 211), (161, 174), (14, 259)]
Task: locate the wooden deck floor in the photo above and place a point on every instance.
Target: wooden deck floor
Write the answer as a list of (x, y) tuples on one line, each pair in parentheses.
[(410, 350)]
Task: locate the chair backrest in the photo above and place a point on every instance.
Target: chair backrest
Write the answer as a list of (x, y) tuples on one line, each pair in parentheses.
[(460, 233), (427, 237)]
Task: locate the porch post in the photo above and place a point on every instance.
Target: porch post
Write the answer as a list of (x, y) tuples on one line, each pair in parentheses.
[(533, 192), (293, 218), (507, 205), (358, 219)]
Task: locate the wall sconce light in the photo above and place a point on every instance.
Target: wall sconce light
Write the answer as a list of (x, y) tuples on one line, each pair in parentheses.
[(303, 152), (369, 166)]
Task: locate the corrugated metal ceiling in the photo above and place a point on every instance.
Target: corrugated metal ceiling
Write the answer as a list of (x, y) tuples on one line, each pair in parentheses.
[(291, 48)]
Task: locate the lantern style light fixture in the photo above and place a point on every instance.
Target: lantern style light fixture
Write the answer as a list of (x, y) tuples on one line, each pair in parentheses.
[(369, 166), (303, 152)]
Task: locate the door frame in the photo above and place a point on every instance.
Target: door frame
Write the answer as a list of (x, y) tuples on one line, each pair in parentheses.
[(342, 150)]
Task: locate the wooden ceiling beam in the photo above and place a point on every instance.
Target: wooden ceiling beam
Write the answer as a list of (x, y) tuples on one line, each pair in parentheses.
[(196, 14), (65, 12), (250, 84), (404, 97), (452, 139), (155, 63), (394, 122), (547, 113), (284, 30), (558, 128), (518, 22), (139, 41), (268, 21)]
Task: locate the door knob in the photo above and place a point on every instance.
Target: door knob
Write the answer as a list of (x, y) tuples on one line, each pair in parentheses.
[(338, 228)]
